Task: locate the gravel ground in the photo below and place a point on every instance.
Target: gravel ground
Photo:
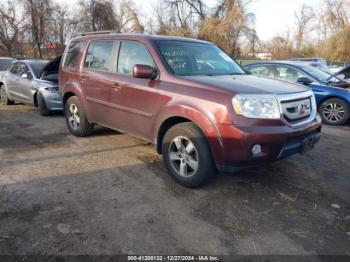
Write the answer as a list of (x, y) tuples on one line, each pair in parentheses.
[(110, 194)]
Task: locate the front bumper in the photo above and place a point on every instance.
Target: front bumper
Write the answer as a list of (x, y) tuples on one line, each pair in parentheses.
[(276, 143), (53, 100)]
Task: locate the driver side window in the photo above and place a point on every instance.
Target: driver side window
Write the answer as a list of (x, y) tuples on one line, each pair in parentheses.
[(289, 74), (132, 53), (13, 68)]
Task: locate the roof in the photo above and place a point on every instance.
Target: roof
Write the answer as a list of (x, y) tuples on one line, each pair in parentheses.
[(7, 58), (137, 37), (311, 59), (33, 61)]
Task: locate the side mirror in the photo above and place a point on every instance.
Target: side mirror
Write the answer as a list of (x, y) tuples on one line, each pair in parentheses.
[(144, 71), (27, 76), (304, 80)]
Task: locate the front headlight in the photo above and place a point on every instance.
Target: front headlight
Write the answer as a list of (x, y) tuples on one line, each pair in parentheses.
[(52, 89), (256, 106)]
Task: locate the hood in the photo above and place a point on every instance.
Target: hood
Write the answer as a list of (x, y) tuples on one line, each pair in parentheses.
[(345, 71), (38, 83), (51, 68), (248, 84)]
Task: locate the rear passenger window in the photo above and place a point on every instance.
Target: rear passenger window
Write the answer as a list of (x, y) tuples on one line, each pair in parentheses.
[(264, 70), (132, 53), (72, 54), (99, 55)]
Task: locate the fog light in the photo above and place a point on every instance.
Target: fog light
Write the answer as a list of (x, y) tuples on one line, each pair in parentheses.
[(256, 150)]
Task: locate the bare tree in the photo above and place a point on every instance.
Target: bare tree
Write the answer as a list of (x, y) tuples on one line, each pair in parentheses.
[(102, 15), (280, 47), (304, 19), (227, 25), (127, 18), (97, 14), (10, 27), (39, 12)]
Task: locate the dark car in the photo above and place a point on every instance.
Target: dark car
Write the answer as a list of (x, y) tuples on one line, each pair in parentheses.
[(201, 110), (33, 82), (332, 94)]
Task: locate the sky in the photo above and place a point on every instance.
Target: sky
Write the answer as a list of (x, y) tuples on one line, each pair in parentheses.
[(272, 16)]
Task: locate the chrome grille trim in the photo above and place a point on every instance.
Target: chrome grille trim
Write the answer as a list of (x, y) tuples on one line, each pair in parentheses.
[(291, 99)]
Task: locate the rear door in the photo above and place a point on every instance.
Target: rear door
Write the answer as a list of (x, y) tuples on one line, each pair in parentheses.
[(97, 80), (16, 83), (10, 79)]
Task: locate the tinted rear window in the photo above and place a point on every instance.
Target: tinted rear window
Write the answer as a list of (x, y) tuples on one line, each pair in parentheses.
[(5, 63), (73, 54), (99, 55)]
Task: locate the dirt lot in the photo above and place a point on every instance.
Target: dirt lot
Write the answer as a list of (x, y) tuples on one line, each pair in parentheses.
[(110, 194)]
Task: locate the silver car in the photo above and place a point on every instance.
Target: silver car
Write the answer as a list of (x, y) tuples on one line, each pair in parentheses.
[(5, 63), (32, 82)]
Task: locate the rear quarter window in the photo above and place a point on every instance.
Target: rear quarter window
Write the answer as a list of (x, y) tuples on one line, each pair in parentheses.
[(73, 54)]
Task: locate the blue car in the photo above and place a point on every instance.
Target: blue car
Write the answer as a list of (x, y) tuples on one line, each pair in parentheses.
[(332, 93)]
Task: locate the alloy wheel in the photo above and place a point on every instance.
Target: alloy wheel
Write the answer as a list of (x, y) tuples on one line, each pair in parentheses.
[(73, 116), (183, 156), (333, 112)]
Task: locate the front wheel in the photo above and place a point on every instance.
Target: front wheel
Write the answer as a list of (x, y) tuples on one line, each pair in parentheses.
[(43, 110), (76, 120), (334, 112), (4, 99), (187, 156)]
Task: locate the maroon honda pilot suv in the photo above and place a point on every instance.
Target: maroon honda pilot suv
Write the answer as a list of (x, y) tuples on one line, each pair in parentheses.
[(201, 110)]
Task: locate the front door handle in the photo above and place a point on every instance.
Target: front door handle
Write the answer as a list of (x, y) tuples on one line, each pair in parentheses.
[(116, 86)]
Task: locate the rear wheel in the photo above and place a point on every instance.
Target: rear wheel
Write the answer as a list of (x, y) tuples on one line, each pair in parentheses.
[(76, 120), (187, 156), (4, 99), (335, 112), (43, 110)]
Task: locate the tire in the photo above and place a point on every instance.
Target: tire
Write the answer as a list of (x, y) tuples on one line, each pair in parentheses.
[(4, 99), (335, 112), (76, 120), (187, 156), (43, 110)]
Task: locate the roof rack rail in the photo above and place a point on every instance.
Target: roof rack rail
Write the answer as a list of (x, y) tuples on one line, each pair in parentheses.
[(101, 32)]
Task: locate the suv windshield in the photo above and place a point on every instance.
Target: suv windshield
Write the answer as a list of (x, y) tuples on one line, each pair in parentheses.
[(192, 58)]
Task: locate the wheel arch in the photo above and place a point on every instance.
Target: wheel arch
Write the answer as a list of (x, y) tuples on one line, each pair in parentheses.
[(35, 98), (200, 120), (333, 97)]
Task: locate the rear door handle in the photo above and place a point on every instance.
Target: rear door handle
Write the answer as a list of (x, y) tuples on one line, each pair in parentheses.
[(83, 80)]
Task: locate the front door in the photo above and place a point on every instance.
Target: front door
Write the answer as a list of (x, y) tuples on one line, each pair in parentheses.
[(24, 84), (135, 100)]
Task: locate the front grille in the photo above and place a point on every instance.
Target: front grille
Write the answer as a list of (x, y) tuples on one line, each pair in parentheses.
[(298, 108)]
